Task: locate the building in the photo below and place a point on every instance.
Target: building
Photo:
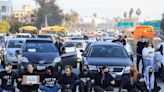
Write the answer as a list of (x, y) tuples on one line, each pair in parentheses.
[(5, 9), (26, 15)]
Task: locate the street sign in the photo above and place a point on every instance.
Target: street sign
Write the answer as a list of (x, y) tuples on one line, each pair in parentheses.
[(154, 24), (125, 24)]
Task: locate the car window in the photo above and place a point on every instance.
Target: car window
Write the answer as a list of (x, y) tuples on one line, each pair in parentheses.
[(22, 36), (15, 44), (2, 39), (70, 47), (79, 45), (108, 51), (39, 47)]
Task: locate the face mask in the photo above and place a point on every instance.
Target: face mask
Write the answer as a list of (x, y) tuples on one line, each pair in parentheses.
[(85, 70), (7, 68), (106, 72)]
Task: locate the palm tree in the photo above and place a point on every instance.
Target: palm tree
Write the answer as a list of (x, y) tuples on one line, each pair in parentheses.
[(131, 12), (138, 12)]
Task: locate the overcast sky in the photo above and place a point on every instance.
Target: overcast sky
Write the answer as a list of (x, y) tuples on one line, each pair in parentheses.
[(152, 9)]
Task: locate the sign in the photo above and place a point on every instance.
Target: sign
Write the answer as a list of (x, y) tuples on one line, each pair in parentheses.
[(31, 79), (125, 24), (154, 24)]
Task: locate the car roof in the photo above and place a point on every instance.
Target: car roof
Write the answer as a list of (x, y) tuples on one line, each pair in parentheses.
[(17, 39), (107, 43), (38, 39), (76, 41)]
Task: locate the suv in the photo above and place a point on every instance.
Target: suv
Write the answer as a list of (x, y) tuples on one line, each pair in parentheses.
[(107, 53), (40, 52)]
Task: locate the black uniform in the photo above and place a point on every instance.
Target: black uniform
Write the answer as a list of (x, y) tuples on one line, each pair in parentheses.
[(103, 83), (69, 82), (27, 88), (58, 46), (87, 85), (7, 80)]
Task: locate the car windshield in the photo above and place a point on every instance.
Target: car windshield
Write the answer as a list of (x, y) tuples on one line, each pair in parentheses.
[(15, 44), (23, 36), (39, 47), (108, 51), (45, 36)]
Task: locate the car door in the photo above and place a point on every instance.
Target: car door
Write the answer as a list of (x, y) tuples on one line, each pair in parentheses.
[(69, 57)]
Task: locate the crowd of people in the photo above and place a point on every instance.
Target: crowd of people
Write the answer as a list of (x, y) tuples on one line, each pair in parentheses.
[(103, 81)]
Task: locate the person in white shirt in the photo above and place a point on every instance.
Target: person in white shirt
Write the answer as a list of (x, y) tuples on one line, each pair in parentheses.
[(148, 55)]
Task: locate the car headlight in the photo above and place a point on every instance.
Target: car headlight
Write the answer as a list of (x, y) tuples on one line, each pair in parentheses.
[(92, 67), (25, 60), (127, 69), (57, 60)]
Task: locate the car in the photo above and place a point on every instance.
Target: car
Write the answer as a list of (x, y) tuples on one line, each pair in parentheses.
[(108, 38), (80, 45), (9, 53), (2, 46), (42, 53), (23, 35), (51, 36), (114, 55)]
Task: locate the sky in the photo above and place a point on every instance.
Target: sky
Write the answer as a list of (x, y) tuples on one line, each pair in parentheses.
[(151, 9)]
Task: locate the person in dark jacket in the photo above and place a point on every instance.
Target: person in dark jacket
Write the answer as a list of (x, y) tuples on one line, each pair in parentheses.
[(86, 80), (104, 81), (59, 45), (69, 80), (140, 45), (27, 87), (7, 77), (49, 81), (120, 39)]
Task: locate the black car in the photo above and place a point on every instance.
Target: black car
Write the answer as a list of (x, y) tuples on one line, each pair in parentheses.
[(42, 53), (114, 55)]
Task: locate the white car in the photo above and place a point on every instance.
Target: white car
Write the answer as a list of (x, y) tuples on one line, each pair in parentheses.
[(10, 50), (23, 35), (80, 45)]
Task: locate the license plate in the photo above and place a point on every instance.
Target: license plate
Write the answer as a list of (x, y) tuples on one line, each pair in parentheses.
[(41, 67)]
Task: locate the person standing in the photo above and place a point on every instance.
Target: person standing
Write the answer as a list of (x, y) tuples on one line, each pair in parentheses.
[(27, 87), (7, 78), (148, 55), (69, 80), (59, 45), (86, 79), (104, 81), (120, 39), (140, 45)]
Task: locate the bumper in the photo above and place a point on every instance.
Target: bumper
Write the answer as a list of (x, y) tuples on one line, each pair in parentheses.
[(12, 60)]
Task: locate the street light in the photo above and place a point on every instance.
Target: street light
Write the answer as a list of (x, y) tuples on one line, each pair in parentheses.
[(46, 19)]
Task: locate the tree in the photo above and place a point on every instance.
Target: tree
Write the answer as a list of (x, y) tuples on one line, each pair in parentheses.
[(51, 10), (125, 14), (4, 27), (138, 12), (162, 24), (131, 12), (71, 19)]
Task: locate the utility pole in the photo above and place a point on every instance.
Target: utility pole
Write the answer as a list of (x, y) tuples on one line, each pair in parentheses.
[(46, 19)]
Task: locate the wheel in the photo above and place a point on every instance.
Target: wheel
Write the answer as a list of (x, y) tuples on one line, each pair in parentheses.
[(58, 68)]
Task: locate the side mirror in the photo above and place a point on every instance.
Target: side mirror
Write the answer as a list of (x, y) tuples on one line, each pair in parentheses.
[(17, 52), (81, 50), (83, 54)]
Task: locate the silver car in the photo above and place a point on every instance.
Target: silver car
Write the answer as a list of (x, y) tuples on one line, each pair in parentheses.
[(11, 46)]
